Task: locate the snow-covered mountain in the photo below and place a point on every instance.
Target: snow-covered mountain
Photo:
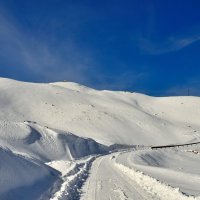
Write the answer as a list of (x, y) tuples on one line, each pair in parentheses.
[(106, 116), (42, 125)]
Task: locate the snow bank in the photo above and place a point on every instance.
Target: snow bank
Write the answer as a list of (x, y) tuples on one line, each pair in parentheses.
[(155, 188), (176, 167), (22, 178), (45, 144)]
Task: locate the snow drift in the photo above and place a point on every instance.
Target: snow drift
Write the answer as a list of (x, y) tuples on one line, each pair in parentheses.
[(23, 178), (45, 144)]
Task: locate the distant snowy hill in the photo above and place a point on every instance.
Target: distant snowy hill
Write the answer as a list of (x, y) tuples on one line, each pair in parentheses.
[(105, 116)]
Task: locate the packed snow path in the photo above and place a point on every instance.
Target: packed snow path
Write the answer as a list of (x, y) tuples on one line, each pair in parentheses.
[(114, 177), (106, 181)]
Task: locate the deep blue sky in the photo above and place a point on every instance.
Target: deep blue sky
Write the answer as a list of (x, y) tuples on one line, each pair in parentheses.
[(149, 46)]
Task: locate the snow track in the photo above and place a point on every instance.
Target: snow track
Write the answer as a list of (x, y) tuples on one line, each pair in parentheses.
[(107, 182), (72, 182), (112, 180)]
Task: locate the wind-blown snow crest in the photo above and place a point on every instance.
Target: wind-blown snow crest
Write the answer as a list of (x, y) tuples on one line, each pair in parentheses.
[(44, 143)]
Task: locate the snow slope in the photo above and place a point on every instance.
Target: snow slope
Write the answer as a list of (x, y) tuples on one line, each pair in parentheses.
[(46, 126), (105, 116)]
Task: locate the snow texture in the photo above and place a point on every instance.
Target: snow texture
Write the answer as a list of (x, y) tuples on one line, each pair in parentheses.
[(51, 134)]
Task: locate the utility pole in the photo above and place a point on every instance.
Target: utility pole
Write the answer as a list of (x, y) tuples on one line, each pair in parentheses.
[(188, 91)]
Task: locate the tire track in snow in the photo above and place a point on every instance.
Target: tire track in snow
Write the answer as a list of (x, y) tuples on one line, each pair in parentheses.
[(116, 186), (138, 191), (89, 184), (73, 181)]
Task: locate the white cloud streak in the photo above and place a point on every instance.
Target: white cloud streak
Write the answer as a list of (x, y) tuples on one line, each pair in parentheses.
[(60, 61), (54, 61), (170, 44)]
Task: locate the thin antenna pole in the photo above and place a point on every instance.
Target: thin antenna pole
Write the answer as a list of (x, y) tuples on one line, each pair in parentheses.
[(188, 91)]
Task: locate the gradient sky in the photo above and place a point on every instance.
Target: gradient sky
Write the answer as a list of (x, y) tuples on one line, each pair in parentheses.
[(148, 46)]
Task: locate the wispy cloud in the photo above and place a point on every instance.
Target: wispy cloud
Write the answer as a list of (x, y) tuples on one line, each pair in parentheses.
[(54, 61), (170, 44), (63, 60)]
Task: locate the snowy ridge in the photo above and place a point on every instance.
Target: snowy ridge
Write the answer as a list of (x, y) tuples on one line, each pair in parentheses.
[(106, 116)]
